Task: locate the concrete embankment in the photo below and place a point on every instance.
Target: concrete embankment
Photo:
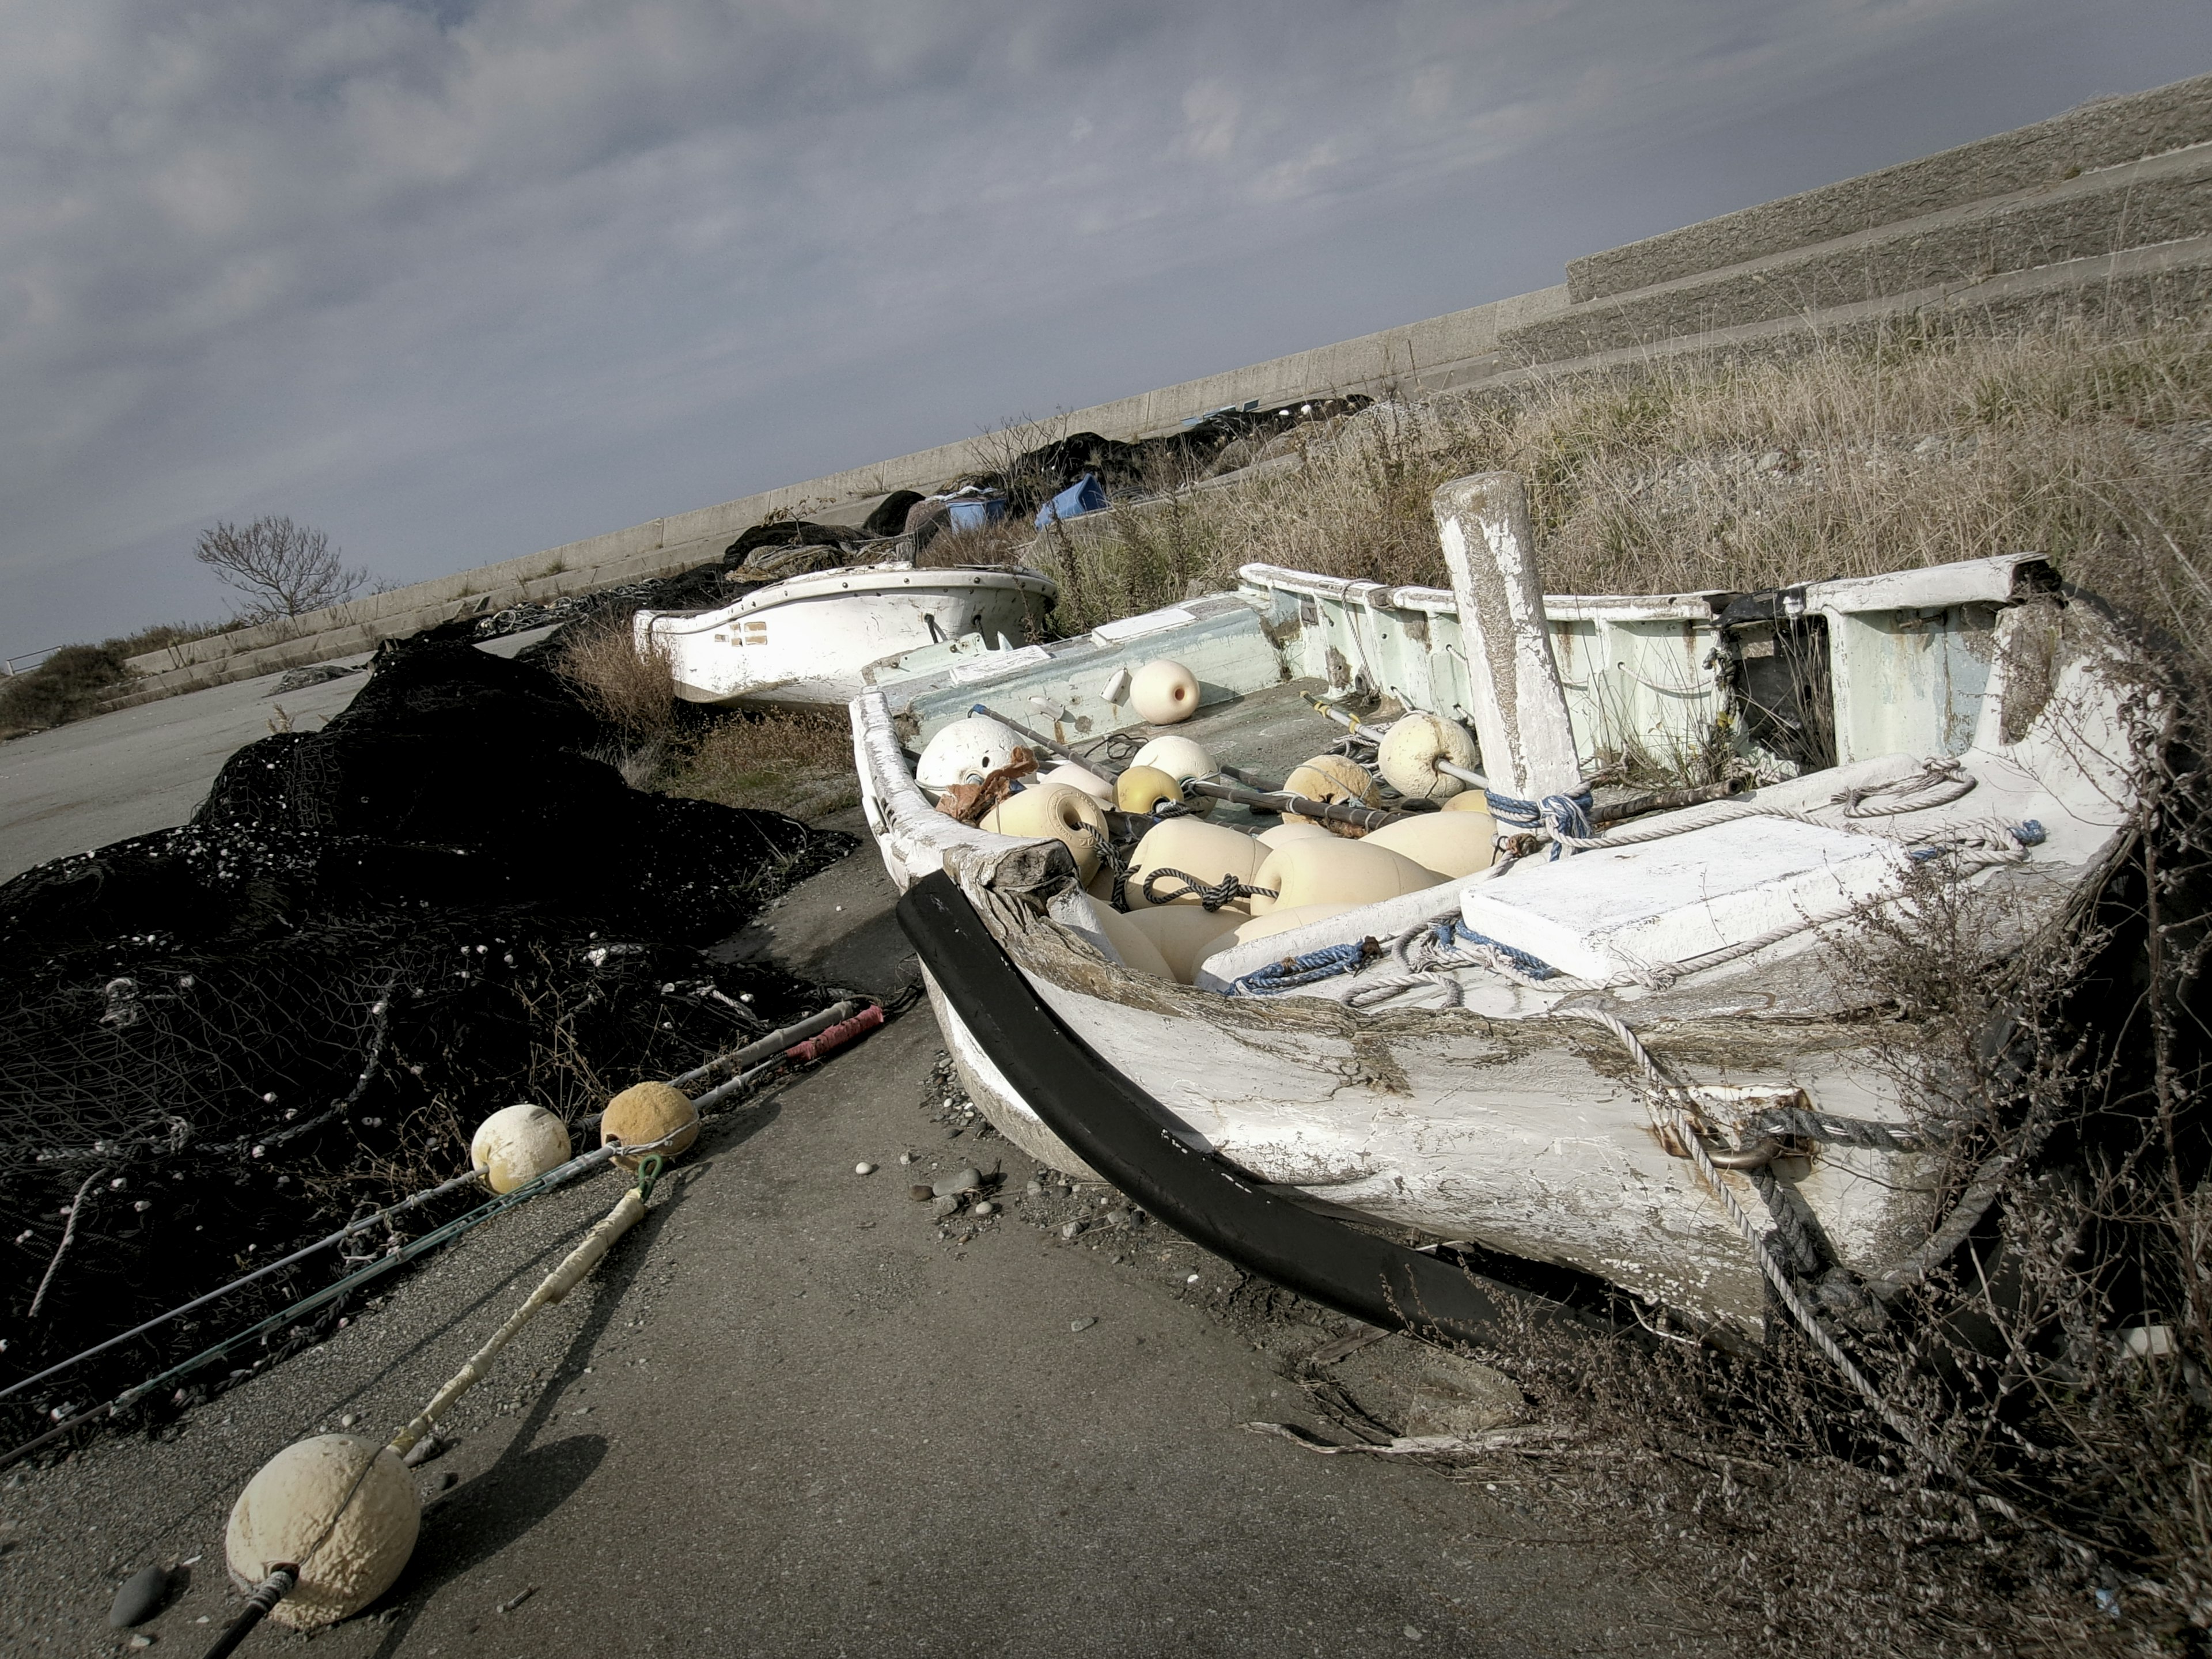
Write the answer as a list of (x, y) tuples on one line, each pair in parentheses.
[(2103, 210)]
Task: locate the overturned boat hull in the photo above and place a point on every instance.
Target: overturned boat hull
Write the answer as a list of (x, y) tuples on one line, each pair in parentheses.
[(809, 641)]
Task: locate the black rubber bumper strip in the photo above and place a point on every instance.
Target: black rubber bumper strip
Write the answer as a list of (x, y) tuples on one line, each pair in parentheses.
[(1159, 1161)]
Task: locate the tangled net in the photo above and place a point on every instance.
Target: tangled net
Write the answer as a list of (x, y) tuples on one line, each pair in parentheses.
[(220, 1041)]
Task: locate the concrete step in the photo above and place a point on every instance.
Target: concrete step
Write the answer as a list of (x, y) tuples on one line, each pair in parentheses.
[(2172, 279), (2167, 199), (2109, 133)]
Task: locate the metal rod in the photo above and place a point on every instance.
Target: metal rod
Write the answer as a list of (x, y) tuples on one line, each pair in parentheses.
[(1276, 801), (1272, 801), (282, 1262), (773, 1043), (1664, 800), (1037, 738), (280, 1584)]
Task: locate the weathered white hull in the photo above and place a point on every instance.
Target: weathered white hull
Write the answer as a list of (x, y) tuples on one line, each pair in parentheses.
[(1500, 1120), (810, 641)]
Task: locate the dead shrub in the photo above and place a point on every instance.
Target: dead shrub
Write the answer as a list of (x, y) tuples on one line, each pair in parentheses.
[(633, 692)]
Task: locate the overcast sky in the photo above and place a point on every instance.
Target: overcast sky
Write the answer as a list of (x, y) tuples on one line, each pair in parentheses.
[(460, 279)]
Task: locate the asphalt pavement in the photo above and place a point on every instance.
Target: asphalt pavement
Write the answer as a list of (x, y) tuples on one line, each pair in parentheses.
[(798, 1412)]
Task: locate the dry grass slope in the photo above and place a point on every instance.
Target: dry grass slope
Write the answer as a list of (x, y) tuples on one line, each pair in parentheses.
[(2092, 445)]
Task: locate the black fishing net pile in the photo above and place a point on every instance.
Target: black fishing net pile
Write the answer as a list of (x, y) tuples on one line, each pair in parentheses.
[(222, 1041)]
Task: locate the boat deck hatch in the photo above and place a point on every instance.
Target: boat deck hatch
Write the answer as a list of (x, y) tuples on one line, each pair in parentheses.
[(1611, 911)]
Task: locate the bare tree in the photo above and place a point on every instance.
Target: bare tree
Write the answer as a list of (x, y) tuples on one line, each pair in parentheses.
[(283, 570)]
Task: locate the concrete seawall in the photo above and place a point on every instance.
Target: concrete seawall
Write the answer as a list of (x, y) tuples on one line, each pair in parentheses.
[(2106, 207)]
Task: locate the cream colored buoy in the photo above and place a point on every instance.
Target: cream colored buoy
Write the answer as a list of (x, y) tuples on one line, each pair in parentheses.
[(1453, 844), (1205, 852), (1182, 758), (1293, 830), (1141, 788), (1077, 777), (1132, 944), (1281, 922), (966, 752), (1053, 810), (646, 1112), (1336, 873), (1337, 779), (1163, 692), (340, 1508), (1183, 933), (518, 1144), (1185, 761), (1410, 750), (1468, 800)]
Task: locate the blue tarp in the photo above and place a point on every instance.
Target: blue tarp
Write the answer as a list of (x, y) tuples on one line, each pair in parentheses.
[(975, 512), (1085, 496)]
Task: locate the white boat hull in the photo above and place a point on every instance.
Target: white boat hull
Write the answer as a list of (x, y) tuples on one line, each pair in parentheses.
[(1498, 1121), (809, 641)]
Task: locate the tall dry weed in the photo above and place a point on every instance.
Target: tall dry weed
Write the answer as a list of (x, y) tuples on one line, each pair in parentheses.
[(633, 692), (2090, 444)]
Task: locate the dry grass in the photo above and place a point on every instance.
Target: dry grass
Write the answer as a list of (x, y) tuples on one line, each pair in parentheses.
[(634, 692), (800, 763), (2092, 445)]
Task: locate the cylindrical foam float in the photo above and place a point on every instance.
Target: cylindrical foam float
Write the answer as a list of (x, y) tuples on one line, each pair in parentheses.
[(965, 752), (1141, 788), (1077, 777), (1410, 750), (1337, 779), (1336, 873), (1163, 692), (1468, 800), (1206, 852), (1453, 844), (1066, 815), (518, 1144), (1293, 830), (340, 1508), (1183, 934), (1132, 944), (646, 1112)]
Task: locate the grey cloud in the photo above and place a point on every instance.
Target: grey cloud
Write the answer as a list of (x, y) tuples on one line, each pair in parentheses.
[(465, 279)]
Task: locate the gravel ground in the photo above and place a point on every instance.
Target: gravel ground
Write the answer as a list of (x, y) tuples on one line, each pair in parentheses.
[(797, 1411)]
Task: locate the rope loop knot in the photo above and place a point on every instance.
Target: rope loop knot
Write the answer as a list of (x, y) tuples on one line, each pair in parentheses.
[(1210, 897)]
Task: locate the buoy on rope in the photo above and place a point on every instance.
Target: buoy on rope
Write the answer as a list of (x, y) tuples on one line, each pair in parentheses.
[(518, 1144), (1333, 778), (326, 1526), (1141, 789), (657, 1114), (1410, 750), (1185, 761)]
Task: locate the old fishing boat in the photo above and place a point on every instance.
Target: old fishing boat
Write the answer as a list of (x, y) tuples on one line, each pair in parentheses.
[(808, 641), (1621, 1042)]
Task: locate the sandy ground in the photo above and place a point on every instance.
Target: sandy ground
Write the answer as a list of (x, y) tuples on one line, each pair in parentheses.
[(795, 1413)]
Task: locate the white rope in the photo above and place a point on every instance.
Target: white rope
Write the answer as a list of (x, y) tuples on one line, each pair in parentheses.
[(1662, 1100), (1938, 783), (69, 1234)]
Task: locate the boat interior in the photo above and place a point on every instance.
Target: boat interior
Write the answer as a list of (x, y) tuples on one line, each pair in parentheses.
[(1975, 697)]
